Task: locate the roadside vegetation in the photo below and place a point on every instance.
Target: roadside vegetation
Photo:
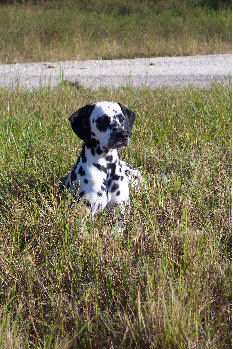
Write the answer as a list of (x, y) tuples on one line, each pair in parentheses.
[(72, 30), (69, 282)]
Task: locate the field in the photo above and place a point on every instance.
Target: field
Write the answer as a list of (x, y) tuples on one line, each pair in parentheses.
[(33, 30), (67, 281)]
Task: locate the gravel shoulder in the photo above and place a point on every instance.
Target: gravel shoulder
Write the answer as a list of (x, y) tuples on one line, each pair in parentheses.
[(196, 71)]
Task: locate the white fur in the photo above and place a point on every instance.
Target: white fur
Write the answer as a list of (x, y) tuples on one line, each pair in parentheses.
[(99, 176)]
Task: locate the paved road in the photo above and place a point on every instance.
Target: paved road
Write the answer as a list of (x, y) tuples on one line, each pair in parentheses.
[(197, 71)]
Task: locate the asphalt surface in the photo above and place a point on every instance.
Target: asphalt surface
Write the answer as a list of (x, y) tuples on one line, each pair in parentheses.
[(197, 71)]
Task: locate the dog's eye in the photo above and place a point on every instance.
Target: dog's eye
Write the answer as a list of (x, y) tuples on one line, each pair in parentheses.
[(103, 123)]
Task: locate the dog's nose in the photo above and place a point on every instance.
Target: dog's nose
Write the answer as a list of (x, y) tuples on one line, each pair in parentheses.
[(118, 138), (123, 135)]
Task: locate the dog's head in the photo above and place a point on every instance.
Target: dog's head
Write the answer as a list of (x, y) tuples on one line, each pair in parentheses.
[(106, 123)]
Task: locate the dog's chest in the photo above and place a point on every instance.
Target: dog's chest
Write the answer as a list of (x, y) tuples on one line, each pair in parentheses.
[(106, 178)]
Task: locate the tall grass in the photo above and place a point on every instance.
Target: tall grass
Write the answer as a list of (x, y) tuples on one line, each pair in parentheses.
[(72, 30), (69, 282)]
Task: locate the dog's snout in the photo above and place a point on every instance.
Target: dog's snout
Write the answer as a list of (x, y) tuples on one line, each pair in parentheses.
[(119, 138), (120, 134), (123, 135)]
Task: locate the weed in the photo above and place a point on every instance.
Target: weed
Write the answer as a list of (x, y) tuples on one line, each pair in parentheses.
[(65, 280)]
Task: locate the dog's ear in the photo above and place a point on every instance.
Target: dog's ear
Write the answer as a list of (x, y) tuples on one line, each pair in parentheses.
[(129, 118), (80, 121)]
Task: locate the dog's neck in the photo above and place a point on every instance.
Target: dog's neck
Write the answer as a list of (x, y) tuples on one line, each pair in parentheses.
[(97, 154)]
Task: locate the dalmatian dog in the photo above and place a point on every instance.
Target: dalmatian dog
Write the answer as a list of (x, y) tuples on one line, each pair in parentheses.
[(99, 176)]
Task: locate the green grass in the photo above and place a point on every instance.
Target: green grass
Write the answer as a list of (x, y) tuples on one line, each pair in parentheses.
[(73, 30), (66, 281)]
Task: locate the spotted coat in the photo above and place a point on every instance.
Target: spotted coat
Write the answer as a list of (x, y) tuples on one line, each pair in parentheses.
[(99, 176)]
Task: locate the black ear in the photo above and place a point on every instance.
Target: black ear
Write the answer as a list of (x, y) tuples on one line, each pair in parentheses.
[(80, 121), (129, 118)]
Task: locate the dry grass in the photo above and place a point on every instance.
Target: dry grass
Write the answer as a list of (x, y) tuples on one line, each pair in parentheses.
[(65, 281), (73, 30)]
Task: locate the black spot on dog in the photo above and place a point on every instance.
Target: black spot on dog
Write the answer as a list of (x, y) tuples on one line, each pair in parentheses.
[(83, 155), (103, 123), (129, 166), (114, 187), (103, 188), (109, 158), (99, 151), (100, 167), (99, 193), (81, 171), (109, 182), (118, 193), (127, 172), (85, 181), (92, 142), (81, 194), (120, 118), (115, 177), (112, 167), (73, 175)]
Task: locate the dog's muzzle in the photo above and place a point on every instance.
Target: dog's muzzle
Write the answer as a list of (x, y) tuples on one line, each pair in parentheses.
[(119, 139)]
